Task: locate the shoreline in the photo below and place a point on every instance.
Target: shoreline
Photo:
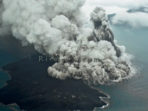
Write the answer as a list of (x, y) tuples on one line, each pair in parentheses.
[(98, 92), (105, 98), (13, 107)]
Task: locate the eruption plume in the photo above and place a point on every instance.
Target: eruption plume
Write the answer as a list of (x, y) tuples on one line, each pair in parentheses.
[(85, 48)]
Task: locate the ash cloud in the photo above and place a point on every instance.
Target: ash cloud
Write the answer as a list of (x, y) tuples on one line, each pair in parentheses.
[(60, 28)]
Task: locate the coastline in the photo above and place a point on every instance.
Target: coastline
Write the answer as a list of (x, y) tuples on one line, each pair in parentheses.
[(101, 99), (104, 98), (12, 107)]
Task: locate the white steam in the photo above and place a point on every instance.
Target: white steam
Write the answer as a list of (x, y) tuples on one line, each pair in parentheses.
[(137, 19), (120, 9), (85, 47)]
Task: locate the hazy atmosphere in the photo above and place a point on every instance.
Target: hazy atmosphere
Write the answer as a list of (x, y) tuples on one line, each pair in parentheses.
[(95, 45)]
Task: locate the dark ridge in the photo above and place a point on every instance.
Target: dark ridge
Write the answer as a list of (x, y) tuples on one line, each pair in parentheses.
[(33, 90), (139, 9)]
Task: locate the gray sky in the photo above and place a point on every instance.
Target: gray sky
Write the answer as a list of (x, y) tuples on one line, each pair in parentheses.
[(120, 7)]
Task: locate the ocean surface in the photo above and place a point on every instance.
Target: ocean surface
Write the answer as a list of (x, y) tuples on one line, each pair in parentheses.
[(130, 95), (10, 53), (5, 58)]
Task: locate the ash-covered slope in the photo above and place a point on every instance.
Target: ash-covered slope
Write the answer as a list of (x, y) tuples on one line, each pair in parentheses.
[(33, 90)]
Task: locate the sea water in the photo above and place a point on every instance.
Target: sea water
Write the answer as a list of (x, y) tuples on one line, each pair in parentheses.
[(5, 58), (9, 54), (130, 95)]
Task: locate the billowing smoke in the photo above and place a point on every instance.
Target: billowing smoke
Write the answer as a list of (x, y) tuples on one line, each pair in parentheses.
[(85, 48)]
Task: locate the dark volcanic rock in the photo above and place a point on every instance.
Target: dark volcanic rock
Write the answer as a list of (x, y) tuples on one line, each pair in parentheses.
[(33, 90)]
